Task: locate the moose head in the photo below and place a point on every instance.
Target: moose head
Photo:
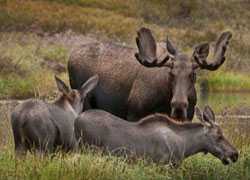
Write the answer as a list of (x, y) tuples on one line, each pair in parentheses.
[(215, 142), (72, 99), (181, 68)]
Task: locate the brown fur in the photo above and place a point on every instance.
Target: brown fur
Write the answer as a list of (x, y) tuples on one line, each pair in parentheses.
[(130, 89)]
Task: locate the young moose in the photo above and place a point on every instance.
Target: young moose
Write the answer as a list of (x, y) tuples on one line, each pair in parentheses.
[(155, 136), (45, 127)]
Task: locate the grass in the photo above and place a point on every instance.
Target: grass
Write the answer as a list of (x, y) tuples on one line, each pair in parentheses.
[(25, 45), (24, 71), (92, 164), (221, 101), (39, 84), (226, 81), (24, 50)]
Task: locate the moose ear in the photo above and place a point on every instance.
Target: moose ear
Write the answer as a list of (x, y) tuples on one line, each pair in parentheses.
[(170, 47), (89, 85), (198, 114), (62, 87), (208, 115)]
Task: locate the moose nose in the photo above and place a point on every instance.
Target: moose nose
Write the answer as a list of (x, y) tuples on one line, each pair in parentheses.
[(179, 104), (234, 157), (179, 109)]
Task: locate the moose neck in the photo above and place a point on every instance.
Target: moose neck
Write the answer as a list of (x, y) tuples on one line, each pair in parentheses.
[(194, 139), (64, 104)]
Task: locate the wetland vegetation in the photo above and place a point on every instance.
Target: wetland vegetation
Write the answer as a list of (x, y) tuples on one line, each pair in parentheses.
[(37, 37)]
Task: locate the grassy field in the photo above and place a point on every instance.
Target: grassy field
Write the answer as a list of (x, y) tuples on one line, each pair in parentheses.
[(26, 50), (92, 164), (37, 37), (25, 65)]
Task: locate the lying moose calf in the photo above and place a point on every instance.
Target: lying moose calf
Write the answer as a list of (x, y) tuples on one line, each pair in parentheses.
[(45, 127), (155, 136)]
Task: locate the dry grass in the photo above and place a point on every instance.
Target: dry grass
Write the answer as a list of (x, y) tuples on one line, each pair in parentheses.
[(23, 73), (185, 22)]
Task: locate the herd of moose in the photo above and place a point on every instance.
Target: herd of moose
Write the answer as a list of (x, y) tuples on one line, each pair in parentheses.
[(128, 103)]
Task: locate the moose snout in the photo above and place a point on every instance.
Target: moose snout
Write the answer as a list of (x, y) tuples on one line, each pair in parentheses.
[(234, 156), (231, 157), (179, 109)]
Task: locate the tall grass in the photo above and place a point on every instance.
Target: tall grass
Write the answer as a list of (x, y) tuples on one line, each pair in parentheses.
[(185, 22), (94, 165), (227, 81), (23, 73)]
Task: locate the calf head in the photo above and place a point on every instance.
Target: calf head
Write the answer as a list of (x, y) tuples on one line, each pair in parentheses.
[(72, 99), (180, 67), (216, 143)]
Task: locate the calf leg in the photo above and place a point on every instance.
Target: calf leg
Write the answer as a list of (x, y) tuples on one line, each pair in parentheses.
[(40, 137), (20, 148)]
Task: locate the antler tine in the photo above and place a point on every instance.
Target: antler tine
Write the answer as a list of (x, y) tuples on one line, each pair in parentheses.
[(147, 49), (201, 52)]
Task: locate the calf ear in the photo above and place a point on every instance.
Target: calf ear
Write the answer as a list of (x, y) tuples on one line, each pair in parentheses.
[(170, 47), (89, 85), (198, 114), (208, 115), (62, 87)]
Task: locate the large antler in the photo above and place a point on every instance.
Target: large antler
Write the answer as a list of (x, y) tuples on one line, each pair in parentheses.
[(201, 52), (147, 50)]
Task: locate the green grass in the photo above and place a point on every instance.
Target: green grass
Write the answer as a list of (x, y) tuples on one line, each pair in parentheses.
[(55, 53), (93, 165), (39, 84), (24, 73), (226, 81), (186, 23), (222, 100)]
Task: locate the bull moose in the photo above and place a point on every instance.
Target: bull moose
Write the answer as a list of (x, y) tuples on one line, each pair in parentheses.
[(162, 81), (155, 136), (45, 127)]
